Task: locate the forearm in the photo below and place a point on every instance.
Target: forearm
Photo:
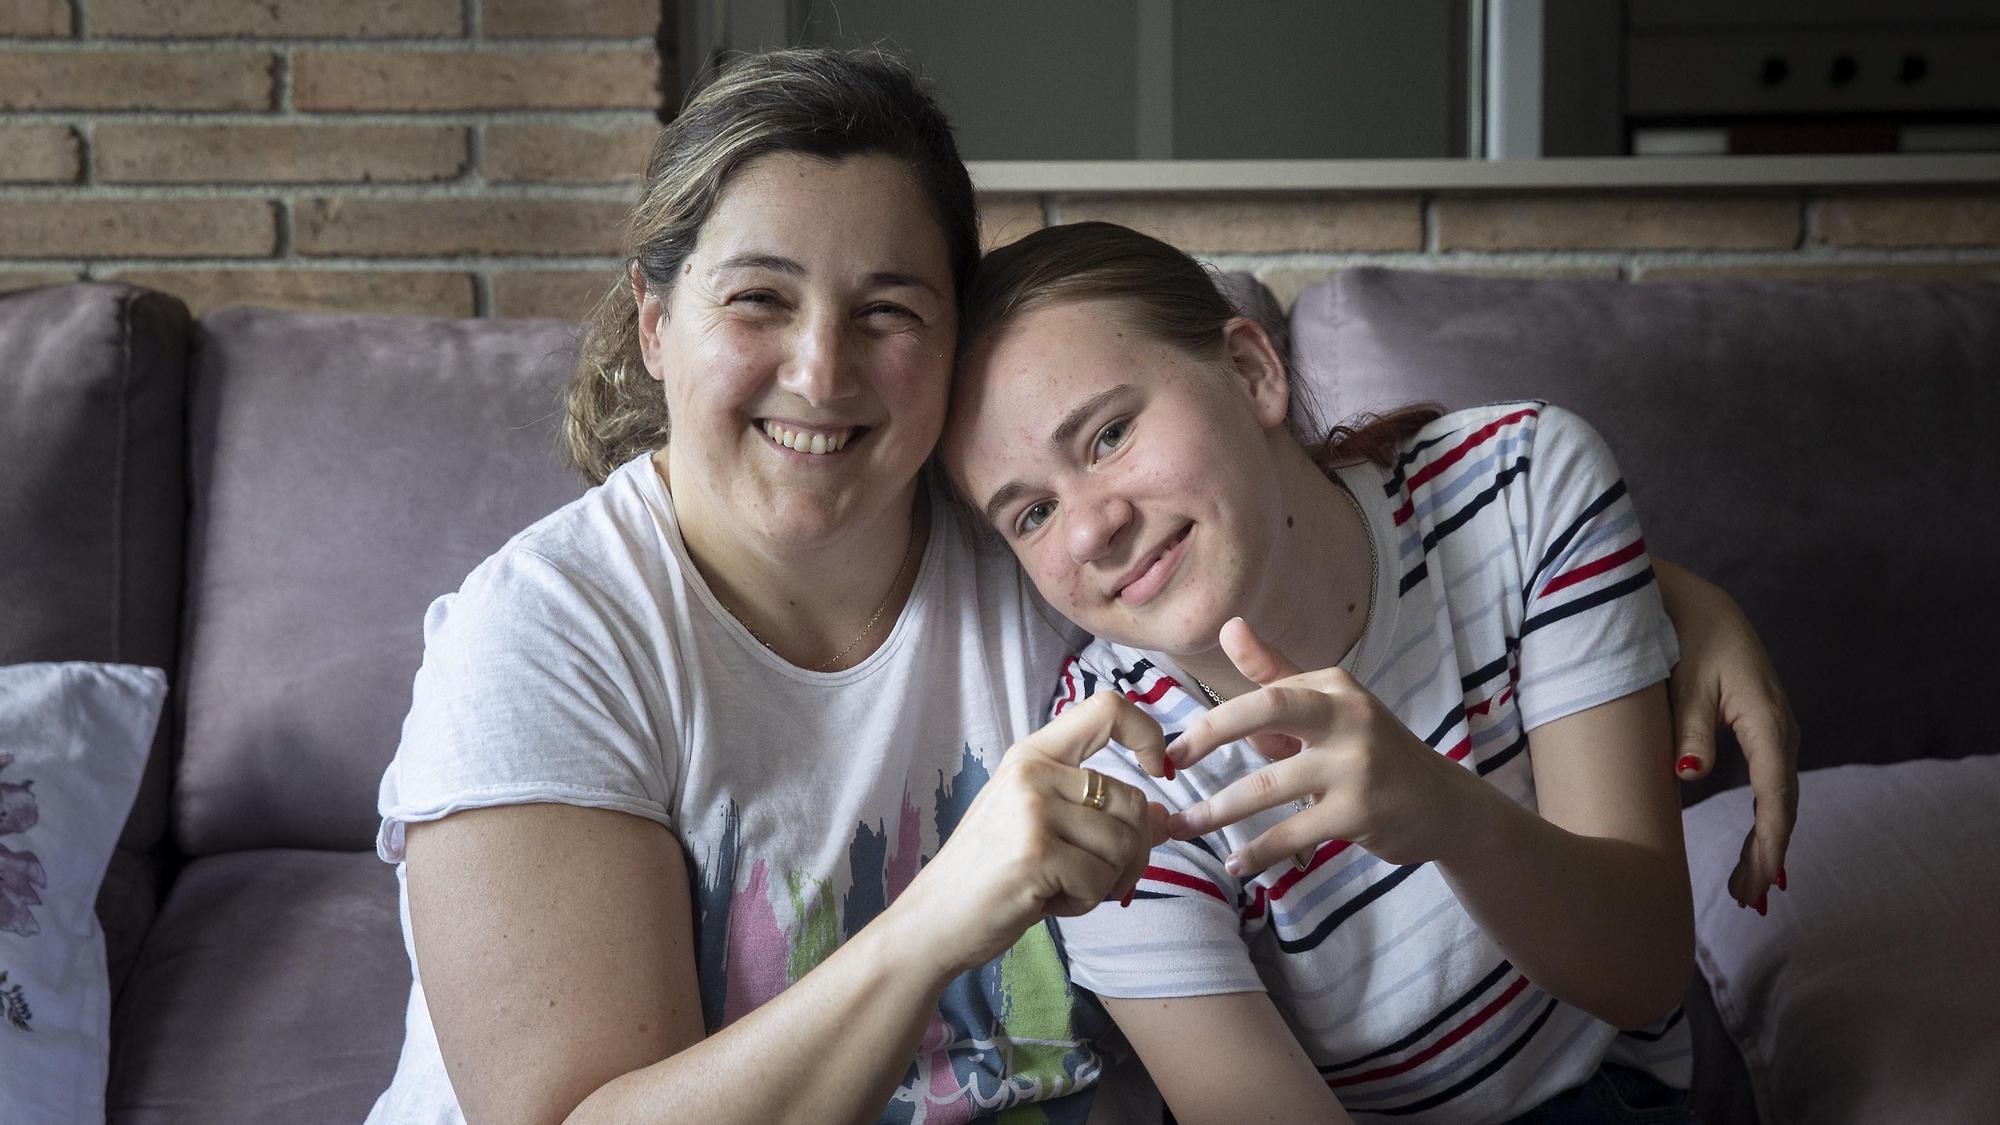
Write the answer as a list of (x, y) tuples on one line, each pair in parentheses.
[(1603, 924), (832, 1047)]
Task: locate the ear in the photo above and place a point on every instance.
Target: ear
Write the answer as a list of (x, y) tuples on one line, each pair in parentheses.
[(1257, 364), (652, 306)]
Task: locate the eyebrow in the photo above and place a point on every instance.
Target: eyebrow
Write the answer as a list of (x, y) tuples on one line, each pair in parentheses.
[(1060, 437), (779, 264)]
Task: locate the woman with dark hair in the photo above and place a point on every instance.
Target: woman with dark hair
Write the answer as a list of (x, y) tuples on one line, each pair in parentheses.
[(721, 796)]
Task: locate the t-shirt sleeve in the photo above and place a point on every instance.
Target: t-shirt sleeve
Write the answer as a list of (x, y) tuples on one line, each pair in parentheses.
[(528, 692), (1593, 628), (1182, 935)]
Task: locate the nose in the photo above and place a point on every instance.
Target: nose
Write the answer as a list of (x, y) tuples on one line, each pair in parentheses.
[(819, 367), (1094, 523)]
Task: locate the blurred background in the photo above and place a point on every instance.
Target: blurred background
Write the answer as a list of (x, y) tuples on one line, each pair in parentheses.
[(474, 157)]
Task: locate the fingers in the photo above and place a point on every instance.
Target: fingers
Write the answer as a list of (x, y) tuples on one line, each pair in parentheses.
[(1770, 746), (1291, 836), (1695, 705), (1259, 662), (1279, 783), (1084, 729), (1301, 709)]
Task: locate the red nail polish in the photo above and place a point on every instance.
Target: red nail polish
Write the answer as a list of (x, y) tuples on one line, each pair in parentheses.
[(1170, 769), (1761, 901), (1127, 900), (1688, 764), (1781, 878)]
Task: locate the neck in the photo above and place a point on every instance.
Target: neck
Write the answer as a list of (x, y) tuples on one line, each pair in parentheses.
[(823, 604), (1320, 559)]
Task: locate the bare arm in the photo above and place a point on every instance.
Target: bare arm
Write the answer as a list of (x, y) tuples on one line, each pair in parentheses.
[(1242, 1065), (1591, 897), (556, 946), (556, 950)]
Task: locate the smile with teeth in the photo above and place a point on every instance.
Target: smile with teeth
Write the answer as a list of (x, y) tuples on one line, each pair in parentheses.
[(813, 442)]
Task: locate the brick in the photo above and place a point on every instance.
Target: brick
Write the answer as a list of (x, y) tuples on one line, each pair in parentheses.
[(1287, 282), (1823, 271), (11, 280), (147, 80), (137, 228), (1261, 224), (391, 228), (276, 19), (277, 153), (582, 19), (568, 154), (488, 80), (35, 18), (40, 154), (1004, 218), (1923, 220), (1617, 223), (560, 294), (404, 293)]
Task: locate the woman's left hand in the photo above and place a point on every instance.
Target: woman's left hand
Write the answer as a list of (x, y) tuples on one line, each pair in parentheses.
[(1726, 679), (1370, 780)]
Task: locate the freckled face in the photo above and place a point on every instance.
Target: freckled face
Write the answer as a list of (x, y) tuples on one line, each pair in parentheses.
[(805, 348), (1133, 481)]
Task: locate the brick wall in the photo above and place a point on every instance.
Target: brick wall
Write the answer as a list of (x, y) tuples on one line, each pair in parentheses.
[(450, 157), (475, 157), (1831, 234)]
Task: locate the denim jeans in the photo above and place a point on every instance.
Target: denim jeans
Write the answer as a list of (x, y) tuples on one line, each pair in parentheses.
[(1616, 1095)]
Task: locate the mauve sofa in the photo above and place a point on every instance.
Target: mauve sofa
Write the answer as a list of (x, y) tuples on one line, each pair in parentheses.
[(263, 503)]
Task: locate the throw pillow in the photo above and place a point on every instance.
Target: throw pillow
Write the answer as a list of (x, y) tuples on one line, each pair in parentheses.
[(73, 743), (1867, 994)]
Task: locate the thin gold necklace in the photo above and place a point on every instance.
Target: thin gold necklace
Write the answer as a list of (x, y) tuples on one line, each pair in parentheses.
[(909, 552)]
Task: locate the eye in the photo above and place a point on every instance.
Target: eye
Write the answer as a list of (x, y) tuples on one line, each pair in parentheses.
[(885, 311), (756, 298), (1034, 516), (1112, 437)]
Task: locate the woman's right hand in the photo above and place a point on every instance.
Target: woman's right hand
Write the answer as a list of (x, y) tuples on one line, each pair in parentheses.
[(1028, 847)]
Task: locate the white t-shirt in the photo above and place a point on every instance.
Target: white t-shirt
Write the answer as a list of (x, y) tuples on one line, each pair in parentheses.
[(587, 663), (1513, 589)]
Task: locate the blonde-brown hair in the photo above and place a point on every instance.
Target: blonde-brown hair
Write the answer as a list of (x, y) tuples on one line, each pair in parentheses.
[(818, 102), (1172, 298)]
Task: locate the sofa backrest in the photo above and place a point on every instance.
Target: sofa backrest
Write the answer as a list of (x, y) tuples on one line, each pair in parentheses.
[(92, 395), (1822, 452), (343, 472)]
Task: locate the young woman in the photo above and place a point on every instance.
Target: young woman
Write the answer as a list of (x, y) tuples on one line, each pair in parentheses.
[(1435, 876)]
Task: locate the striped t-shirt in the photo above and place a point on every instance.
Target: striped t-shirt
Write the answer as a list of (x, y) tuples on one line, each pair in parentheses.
[(1514, 589)]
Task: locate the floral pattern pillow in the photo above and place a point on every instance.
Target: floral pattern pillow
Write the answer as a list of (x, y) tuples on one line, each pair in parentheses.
[(73, 744)]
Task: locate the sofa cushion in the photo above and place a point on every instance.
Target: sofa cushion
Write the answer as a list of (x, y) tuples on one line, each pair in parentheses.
[(345, 471), (272, 989), (1868, 992), (92, 404), (1820, 451), (74, 738)]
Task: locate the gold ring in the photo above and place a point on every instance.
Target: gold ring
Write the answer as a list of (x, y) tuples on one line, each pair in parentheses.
[(1093, 789)]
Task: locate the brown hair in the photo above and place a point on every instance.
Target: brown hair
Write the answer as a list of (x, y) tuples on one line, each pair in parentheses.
[(1171, 297), (816, 102)]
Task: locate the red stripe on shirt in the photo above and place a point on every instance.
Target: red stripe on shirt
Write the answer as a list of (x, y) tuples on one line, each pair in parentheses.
[(1408, 509), (1153, 693), (1592, 569), (1485, 706), (1477, 438), (1069, 686), (1291, 878), (1458, 752), (1431, 1052), (1183, 879)]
